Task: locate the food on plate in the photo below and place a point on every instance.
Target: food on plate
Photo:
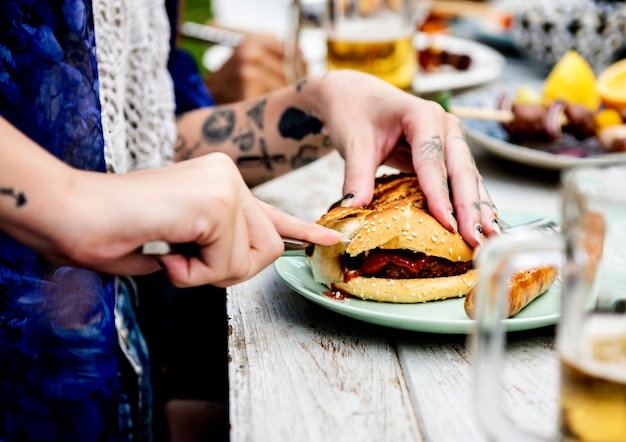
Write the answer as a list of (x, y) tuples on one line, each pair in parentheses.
[(547, 123), (573, 81), (524, 287), (432, 58), (572, 107), (613, 138), (612, 85), (397, 252), (573, 102)]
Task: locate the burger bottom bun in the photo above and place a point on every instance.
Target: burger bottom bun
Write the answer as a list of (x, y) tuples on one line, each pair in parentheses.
[(409, 290)]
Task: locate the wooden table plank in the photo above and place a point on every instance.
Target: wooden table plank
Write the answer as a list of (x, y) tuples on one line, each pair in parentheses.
[(307, 374), (439, 371)]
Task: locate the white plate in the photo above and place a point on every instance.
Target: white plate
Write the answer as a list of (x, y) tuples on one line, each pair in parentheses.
[(491, 136), (444, 317), (487, 64)]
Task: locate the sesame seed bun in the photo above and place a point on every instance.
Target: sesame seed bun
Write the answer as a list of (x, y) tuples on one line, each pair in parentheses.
[(396, 219)]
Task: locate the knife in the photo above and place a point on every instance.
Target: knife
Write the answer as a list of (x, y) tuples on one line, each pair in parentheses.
[(296, 247), (293, 247)]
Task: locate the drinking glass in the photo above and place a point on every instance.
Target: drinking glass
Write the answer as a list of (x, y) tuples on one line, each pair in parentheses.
[(373, 36), (591, 334)]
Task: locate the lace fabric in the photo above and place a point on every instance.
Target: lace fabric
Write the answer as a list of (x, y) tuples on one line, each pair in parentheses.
[(136, 91)]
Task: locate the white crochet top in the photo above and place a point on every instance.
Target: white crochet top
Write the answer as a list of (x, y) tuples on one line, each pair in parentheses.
[(136, 90)]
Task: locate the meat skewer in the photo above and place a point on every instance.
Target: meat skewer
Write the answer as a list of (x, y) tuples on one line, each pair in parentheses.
[(527, 121)]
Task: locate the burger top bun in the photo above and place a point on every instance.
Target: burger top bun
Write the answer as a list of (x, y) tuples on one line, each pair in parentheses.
[(397, 218)]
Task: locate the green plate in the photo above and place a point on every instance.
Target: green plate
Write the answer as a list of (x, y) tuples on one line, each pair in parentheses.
[(433, 317)]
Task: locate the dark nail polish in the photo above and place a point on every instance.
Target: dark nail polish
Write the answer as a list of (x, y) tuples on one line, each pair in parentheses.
[(496, 224), (453, 222), (345, 201)]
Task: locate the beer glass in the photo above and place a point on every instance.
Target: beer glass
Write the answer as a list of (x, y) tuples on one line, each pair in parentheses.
[(591, 334), (373, 36)]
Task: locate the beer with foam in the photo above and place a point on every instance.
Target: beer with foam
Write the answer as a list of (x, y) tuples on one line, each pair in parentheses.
[(387, 53), (593, 383)]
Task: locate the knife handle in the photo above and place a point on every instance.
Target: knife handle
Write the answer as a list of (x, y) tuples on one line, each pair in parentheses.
[(293, 247), (160, 248)]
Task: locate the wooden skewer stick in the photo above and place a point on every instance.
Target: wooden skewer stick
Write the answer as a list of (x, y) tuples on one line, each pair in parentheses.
[(499, 115), (479, 113)]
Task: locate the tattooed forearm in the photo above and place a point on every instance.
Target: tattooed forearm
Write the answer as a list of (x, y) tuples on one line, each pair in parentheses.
[(19, 197), (295, 124), (219, 126)]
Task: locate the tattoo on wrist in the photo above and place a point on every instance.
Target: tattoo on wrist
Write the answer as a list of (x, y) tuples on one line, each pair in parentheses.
[(295, 124), (264, 159), (219, 126), (19, 197), (257, 113)]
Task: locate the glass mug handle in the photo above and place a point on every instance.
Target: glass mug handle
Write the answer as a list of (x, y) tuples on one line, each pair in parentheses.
[(497, 261), (293, 70)]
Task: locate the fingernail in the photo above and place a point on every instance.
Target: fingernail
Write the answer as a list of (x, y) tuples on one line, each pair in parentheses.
[(480, 233), (340, 203), (453, 223), (346, 200), (496, 225)]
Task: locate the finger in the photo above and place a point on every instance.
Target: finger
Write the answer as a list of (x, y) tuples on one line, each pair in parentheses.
[(223, 256), (488, 213), (292, 227), (219, 262), (466, 184), (360, 168), (429, 161)]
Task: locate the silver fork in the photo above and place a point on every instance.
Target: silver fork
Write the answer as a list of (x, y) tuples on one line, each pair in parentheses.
[(540, 225)]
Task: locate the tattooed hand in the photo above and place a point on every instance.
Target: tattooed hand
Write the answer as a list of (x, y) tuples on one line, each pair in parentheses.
[(374, 123)]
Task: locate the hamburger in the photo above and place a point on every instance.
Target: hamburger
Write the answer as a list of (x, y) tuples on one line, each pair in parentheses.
[(393, 249)]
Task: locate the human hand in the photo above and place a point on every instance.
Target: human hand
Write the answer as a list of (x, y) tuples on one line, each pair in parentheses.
[(373, 123), (256, 67), (203, 201)]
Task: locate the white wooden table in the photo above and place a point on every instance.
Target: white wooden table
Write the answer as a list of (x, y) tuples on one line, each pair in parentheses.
[(299, 372)]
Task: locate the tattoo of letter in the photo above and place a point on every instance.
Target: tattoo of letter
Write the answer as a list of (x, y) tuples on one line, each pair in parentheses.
[(219, 126), (244, 141), (296, 124), (19, 197), (264, 159), (185, 151), (257, 112)]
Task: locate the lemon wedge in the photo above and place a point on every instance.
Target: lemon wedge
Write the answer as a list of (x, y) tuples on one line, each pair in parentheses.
[(573, 81)]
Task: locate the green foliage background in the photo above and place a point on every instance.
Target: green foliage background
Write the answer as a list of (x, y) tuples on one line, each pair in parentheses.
[(198, 11)]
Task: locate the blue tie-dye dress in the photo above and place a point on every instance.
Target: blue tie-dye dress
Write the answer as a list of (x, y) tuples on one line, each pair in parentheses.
[(58, 344)]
